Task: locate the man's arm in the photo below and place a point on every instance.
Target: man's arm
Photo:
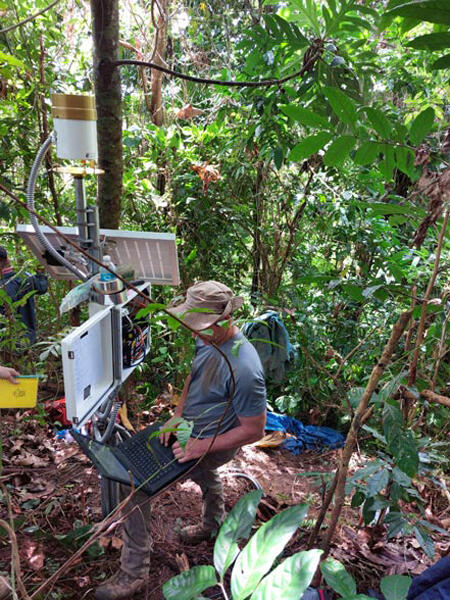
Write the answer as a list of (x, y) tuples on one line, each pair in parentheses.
[(164, 437), (249, 430)]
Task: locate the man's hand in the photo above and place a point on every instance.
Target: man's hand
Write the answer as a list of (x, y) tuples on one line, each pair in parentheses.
[(9, 374), (170, 424), (194, 449)]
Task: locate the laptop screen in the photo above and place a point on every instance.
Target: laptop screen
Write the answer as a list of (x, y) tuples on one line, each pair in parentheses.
[(112, 467)]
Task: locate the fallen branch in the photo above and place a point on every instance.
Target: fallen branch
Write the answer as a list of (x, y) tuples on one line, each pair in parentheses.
[(433, 397)]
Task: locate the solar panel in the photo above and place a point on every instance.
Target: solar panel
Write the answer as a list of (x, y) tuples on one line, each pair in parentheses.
[(153, 256)]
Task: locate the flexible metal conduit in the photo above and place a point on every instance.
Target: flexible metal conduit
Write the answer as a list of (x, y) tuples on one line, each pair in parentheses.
[(255, 482), (30, 203)]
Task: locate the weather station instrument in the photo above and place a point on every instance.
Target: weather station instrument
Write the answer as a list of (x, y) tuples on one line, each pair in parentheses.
[(102, 352)]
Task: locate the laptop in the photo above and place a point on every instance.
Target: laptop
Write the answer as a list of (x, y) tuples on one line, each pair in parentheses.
[(142, 455)]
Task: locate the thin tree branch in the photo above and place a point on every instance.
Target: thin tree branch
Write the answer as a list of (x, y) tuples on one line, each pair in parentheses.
[(30, 18), (421, 328)]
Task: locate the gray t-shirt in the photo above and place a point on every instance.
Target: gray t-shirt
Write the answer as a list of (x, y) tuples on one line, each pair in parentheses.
[(211, 385)]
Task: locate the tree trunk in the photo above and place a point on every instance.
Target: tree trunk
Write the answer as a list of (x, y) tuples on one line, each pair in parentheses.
[(105, 30), (255, 293), (159, 55)]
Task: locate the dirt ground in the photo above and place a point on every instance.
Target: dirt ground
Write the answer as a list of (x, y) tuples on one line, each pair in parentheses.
[(53, 495)]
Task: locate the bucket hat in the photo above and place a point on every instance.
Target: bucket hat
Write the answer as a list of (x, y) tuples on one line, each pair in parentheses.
[(206, 303)]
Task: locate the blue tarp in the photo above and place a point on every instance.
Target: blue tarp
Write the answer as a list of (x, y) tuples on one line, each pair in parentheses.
[(307, 437)]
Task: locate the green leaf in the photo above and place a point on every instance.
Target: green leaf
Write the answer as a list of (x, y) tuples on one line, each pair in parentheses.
[(290, 579), (337, 577), (310, 145), (342, 105), (338, 151), (236, 347), (304, 116), (352, 290), (278, 157), (263, 548), (395, 523), (377, 482), (367, 153), (369, 291), (406, 454), (184, 432), (441, 63), (143, 312), (425, 540), (431, 41), (387, 165), (405, 159), (395, 587), (190, 584), (12, 60), (434, 11), (172, 323), (385, 208), (421, 125), (236, 526), (379, 122)]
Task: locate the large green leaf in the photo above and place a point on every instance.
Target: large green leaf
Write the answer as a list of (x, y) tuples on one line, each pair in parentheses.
[(404, 158), (367, 153), (310, 145), (290, 579), (377, 482), (431, 41), (236, 526), (434, 11), (342, 105), (387, 165), (338, 151), (337, 577), (421, 125), (405, 452), (395, 587), (441, 63), (425, 540), (379, 122), (190, 584), (263, 548), (304, 116)]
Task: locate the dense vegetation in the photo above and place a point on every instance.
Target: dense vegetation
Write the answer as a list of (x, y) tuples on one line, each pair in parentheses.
[(325, 196)]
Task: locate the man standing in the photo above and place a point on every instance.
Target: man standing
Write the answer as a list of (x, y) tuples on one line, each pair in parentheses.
[(17, 287), (228, 410)]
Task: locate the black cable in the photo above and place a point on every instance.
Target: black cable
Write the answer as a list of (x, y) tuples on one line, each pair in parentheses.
[(315, 51)]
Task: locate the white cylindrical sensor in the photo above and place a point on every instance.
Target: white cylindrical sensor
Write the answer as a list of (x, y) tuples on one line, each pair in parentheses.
[(75, 126)]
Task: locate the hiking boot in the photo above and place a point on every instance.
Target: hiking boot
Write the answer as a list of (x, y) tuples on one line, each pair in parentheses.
[(120, 586), (194, 534)]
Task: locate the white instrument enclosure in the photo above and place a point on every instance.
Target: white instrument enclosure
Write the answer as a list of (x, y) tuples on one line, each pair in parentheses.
[(93, 362)]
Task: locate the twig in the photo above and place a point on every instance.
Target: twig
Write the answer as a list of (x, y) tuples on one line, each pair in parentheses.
[(15, 558), (30, 18), (421, 328)]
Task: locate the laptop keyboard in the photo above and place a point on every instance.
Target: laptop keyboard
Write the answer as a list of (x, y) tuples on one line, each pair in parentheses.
[(152, 466)]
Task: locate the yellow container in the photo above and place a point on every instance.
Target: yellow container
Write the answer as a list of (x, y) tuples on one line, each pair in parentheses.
[(19, 395)]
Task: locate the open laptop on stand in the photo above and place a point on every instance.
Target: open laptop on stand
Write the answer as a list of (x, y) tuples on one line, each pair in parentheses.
[(142, 455)]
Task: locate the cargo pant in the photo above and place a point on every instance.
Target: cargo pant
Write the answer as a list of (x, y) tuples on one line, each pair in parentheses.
[(135, 558)]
